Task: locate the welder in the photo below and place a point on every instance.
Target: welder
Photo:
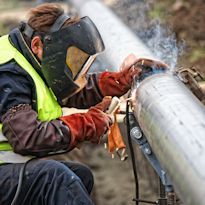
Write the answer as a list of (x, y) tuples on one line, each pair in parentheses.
[(43, 67)]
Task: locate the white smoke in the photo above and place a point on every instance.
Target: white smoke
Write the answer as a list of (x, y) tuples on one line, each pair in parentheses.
[(160, 39), (163, 43)]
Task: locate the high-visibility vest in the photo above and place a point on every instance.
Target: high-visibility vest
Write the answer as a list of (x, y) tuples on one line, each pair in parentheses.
[(47, 105)]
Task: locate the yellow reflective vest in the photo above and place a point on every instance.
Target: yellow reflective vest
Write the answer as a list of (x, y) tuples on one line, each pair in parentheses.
[(47, 105)]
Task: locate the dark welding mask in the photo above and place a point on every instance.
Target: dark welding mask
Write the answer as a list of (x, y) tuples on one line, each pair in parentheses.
[(68, 54)]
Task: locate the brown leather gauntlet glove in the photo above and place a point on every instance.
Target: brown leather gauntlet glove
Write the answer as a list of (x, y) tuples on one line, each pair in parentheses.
[(118, 83), (89, 126)]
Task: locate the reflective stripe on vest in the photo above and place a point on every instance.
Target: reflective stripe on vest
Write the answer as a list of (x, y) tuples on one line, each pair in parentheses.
[(47, 105)]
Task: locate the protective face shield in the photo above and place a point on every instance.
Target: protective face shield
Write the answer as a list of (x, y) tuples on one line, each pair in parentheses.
[(68, 54)]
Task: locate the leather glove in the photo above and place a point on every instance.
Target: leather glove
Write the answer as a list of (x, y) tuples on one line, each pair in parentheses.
[(89, 126), (118, 83)]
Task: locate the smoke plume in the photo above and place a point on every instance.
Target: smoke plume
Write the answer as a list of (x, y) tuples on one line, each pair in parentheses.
[(159, 38)]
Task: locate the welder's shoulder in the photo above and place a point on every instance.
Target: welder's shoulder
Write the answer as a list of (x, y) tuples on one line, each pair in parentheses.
[(12, 67), (14, 72), (15, 86)]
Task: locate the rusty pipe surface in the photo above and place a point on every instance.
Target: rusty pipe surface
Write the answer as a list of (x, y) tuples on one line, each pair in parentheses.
[(173, 120)]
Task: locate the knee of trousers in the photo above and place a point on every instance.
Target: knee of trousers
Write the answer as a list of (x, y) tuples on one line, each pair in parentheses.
[(86, 176), (83, 172), (51, 170)]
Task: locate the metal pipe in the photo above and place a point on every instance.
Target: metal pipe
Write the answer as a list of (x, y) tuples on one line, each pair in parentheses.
[(173, 120)]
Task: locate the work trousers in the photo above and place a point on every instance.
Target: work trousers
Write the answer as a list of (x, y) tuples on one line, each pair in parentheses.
[(46, 182)]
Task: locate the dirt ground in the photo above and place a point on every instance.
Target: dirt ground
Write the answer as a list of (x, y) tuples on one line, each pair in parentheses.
[(114, 182)]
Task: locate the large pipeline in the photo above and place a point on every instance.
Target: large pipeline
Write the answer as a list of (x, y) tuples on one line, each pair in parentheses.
[(170, 116), (173, 120)]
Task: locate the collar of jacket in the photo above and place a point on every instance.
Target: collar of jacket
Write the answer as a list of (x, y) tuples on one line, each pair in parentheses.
[(20, 44)]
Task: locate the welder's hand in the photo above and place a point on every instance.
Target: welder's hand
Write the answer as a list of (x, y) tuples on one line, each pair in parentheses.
[(118, 83), (90, 126), (150, 63)]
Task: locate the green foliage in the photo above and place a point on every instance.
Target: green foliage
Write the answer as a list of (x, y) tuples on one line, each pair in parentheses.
[(197, 54), (158, 11)]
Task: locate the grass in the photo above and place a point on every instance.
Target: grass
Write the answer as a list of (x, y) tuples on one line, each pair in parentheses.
[(197, 54), (158, 11)]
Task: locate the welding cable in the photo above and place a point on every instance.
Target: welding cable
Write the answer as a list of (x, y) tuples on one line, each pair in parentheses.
[(134, 166), (20, 181)]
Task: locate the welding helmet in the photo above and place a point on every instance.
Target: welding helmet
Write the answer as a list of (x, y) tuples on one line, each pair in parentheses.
[(68, 54)]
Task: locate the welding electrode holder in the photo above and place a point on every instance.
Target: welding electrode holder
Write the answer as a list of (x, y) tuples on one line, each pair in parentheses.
[(148, 70)]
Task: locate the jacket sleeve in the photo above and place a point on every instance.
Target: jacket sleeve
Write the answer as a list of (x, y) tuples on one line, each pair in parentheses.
[(21, 126), (29, 136), (89, 96)]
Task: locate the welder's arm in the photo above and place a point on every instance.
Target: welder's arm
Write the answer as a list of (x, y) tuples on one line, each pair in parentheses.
[(29, 136), (90, 126), (118, 83), (104, 84)]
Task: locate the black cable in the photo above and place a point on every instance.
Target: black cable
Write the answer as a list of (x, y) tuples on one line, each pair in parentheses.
[(20, 182), (134, 166)]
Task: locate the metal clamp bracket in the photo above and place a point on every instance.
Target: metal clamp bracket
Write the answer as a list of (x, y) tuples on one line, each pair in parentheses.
[(139, 138)]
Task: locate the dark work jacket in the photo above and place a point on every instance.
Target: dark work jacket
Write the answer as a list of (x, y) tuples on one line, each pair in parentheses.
[(26, 134)]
